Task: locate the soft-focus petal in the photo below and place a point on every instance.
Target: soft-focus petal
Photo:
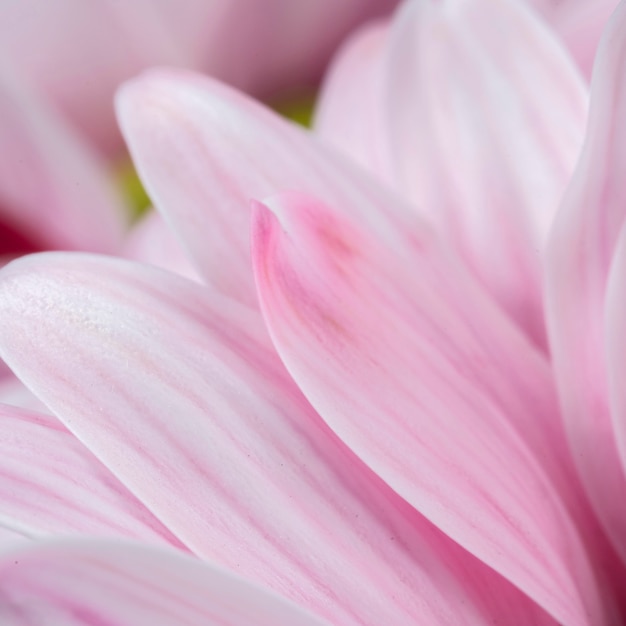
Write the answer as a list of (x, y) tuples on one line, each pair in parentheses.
[(181, 393), (580, 254), (53, 190), (151, 241), (350, 109), (203, 150), (119, 584), (11, 536), (580, 24), (405, 364), (78, 52), (615, 342), (486, 115), (50, 483)]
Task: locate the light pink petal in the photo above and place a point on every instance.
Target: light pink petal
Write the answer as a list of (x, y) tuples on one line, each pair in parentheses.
[(180, 392), (580, 254), (350, 108), (14, 393), (486, 115), (203, 151), (118, 584), (76, 53), (151, 241), (277, 46), (10, 536), (615, 340), (580, 24), (405, 364), (53, 190), (51, 484)]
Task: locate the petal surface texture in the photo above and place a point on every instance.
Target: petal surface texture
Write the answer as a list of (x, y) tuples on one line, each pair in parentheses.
[(404, 359), (180, 392), (119, 584), (203, 151), (483, 114), (51, 484), (54, 190), (580, 255)]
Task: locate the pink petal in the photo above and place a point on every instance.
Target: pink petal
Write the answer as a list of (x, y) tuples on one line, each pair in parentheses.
[(151, 241), (203, 150), (615, 340), (485, 115), (54, 191), (179, 391), (10, 537), (77, 53), (580, 254), (95, 583), (14, 393), (416, 373), (350, 108), (580, 24), (50, 483)]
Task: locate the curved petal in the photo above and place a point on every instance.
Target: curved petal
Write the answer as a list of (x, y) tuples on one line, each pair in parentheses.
[(14, 393), (400, 362), (181, 393), (53, 190), (486, 115), (579, 257), (10, 536), (203, 151), (85, 583), (76, 54), (349, 111), (50, 483), (580, 25)]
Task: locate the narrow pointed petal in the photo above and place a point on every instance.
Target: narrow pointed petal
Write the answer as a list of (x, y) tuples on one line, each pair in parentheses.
[(117, 584), (151, 241), (486, 115), (54, 191), (180, 392), (579, 258), (203, 151), (396, 359), (51, 484)]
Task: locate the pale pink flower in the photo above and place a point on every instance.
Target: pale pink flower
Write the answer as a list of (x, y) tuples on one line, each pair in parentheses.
[(392, 451)]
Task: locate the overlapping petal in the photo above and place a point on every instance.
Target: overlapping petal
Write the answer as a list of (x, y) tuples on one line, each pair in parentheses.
[(483, 113), (580, 25), (179, 391), (203, 151), (411, 366), (117, 584), (51, 484), (580, 254), (54, 191)]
